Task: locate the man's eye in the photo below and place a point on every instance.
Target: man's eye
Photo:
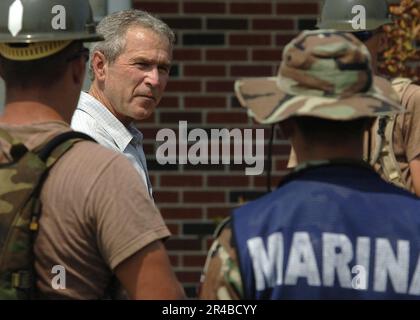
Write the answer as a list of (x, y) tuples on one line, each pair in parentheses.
[(164, 69)]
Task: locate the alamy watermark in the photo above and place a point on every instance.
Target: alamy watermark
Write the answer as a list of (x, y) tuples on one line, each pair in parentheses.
[(206, 147), (359, 19), (58, 282)]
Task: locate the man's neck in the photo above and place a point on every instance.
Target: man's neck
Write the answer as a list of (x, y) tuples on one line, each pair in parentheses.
[(28, 112), (323, 152)]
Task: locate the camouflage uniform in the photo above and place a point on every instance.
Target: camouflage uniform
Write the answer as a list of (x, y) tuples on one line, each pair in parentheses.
[(401, 136), (323, 74)]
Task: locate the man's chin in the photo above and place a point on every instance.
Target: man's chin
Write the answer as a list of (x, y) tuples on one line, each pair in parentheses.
[(143, 114)]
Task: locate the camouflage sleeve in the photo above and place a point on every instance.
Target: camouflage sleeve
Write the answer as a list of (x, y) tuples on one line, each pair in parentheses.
[(221, 278)]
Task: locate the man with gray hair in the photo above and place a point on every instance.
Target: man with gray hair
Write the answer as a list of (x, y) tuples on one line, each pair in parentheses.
[(130, 70)]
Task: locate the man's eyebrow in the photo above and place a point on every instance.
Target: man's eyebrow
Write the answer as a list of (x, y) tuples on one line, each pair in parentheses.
[(151, 61)]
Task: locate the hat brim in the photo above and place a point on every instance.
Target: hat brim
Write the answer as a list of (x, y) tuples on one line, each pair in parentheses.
[(267, 103)]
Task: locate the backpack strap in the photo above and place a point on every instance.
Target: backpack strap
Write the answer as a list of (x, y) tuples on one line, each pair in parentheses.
[(6, 136), (388, 161), (49, 154), (384, 149), (58, 145)]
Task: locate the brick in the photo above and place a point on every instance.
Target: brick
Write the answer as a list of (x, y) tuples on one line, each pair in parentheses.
[(194, 260), (152, 179), (188, 276), (218, 213), (191, 291), (181, 213), (307, 24), (297, 8), (227, 117), (281, 165), (187, 54), (251, 8), (157, 7), (148, 148), (202, 228), (184, 23), (283, 39), (239, 196), (227, 24), (204, 167), (250, 40), (220, 86), (261, 181), (175, 117), (267, 55), (173, 228), (165, 196), (273, 24), (204, 7), (149, 133), (186, 180), (204, 71), (151, 119), (153, 165), (183, 244), (182, 86), (203, 196), (205, 102), (203, 39), (239, 167), (251, 71), (281, 149), (174, 72), (234, 103), (169, 101), (228, 181), (208, 243), (226, 55)]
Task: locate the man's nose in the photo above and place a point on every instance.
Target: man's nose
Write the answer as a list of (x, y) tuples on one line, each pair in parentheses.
[(153, 76)]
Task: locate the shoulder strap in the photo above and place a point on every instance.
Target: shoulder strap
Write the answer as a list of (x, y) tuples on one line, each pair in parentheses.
[(57, 146), (49, 154), (400, 85), (384, 140), (389, 163), (6, 136)]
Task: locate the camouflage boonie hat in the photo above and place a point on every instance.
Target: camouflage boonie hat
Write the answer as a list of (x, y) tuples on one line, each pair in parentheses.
[(324, 74)]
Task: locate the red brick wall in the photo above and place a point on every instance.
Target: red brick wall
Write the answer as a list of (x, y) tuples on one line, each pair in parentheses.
[(217, 42)]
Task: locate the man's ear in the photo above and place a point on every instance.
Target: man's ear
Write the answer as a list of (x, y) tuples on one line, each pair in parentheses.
[(382, 41), (99, 65)]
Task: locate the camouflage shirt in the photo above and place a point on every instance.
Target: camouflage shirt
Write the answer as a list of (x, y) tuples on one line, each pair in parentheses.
[(221, 278)]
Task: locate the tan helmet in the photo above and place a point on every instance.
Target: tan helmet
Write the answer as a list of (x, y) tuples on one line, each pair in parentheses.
[(34, 29), (339, 14)]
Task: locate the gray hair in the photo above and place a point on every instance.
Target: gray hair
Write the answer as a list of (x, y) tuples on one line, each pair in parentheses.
[(114, 28)]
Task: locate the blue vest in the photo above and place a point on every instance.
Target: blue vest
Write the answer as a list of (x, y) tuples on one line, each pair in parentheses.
[(330, 232)]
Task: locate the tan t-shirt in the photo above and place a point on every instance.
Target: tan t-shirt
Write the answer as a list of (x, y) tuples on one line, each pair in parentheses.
[(407, 132), (96, 213)]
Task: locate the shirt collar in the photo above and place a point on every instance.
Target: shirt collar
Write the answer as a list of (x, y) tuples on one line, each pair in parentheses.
[(122, 135)]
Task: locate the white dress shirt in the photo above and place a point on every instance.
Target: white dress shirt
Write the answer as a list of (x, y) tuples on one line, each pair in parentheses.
[(94, 119)]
